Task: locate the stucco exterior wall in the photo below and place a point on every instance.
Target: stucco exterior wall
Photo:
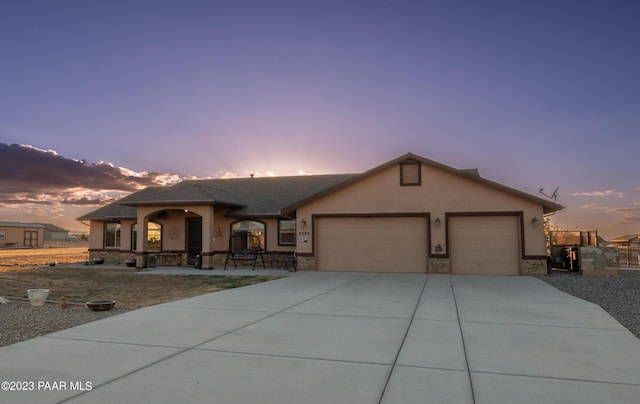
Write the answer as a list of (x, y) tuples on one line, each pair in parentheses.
[(441, 192)]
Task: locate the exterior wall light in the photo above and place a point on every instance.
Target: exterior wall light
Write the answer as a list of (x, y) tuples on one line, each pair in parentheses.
[(437, 222), (303, 223), (535, 222)]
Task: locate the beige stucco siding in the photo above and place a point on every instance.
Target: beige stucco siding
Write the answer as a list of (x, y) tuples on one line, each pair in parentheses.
[(377, 244), (441, 193), (484, 245)]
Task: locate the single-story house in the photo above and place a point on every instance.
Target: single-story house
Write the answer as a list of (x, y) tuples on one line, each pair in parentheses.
[(410, 214), (18, 235)]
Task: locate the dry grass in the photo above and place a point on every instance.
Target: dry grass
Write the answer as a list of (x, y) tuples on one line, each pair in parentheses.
[(41, 256), (83, 283)]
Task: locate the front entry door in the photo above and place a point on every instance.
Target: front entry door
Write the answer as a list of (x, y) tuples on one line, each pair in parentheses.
[(194, 239)]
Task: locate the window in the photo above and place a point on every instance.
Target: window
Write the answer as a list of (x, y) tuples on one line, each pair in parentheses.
[(111, 235), (286, 232), (3, 234), (154, 237), (410, 173), (248, 228)]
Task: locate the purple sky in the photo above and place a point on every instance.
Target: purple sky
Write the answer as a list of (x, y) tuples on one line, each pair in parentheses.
[(535, 94)]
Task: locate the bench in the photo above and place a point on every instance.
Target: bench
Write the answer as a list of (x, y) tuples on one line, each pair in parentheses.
[(245, 248)]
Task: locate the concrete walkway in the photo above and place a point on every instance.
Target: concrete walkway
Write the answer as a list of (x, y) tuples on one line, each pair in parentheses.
[(340, 338)]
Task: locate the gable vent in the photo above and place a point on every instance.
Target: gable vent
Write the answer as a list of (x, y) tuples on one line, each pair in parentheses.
[(410, 173)]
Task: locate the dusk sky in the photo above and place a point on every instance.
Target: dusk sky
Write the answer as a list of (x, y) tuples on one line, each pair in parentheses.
[(101, 98)]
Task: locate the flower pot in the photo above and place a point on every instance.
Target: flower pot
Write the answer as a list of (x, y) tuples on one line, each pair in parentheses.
[(37, 297), (100, 305)]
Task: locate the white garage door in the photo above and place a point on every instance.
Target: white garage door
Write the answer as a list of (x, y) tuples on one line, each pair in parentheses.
[(484, 245), (377, 244)]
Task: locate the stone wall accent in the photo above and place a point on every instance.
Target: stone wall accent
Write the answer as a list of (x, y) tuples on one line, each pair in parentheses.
[(439, 266), (533, 267), (306, 263), (599, 261), (109, 257)]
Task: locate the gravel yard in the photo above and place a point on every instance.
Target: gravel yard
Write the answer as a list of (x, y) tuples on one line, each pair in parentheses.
[(20, 321), (619, 296)]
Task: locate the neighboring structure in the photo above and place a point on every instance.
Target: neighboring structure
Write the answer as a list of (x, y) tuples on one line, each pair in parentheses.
[(410, 214), (54, 233), (629, 246), (564, 247), (19, 235)]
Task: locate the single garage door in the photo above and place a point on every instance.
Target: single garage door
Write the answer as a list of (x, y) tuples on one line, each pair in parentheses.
[(376, 244), (484, 245)]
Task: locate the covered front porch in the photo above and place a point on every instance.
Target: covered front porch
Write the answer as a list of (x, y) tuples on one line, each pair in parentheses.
[(203, 236)]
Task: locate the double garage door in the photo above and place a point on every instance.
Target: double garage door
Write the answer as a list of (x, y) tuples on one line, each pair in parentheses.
[(372, 244), (478, 244)]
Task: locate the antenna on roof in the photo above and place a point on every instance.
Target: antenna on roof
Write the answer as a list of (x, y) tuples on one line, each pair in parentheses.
[(553, 196)]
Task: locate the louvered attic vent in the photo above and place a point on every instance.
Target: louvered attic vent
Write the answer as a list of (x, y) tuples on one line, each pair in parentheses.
[(410, 173)]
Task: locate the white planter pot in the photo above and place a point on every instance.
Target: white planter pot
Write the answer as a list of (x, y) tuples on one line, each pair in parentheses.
[(37, 297)]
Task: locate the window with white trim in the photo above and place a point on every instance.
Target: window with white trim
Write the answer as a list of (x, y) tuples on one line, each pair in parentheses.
[(286, 232)]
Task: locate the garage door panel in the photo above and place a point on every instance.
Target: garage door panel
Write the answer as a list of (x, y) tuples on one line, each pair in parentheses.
[(484, 245), (380, 244)]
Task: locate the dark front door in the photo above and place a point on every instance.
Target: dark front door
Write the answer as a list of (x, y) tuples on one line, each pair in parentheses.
[(194, 239)]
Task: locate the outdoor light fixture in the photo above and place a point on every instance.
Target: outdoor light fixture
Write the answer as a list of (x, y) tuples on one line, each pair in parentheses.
[(535, 222), (303, 223), (437, 222)]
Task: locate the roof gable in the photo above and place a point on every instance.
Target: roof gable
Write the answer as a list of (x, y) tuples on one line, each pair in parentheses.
[(471, 174)]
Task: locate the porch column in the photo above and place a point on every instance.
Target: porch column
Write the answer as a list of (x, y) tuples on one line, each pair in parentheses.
[(141, 240), (207, 237)]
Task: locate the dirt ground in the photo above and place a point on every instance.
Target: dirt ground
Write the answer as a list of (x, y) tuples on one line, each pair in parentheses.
[(28, 269)]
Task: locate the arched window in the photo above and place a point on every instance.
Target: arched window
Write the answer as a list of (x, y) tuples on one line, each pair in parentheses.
[(154, 237), (248, 228)]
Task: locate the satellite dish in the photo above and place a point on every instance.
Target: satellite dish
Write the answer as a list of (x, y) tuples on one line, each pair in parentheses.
[(553, 196)]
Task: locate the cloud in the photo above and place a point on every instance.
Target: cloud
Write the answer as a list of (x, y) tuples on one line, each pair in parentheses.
[(628, 210), (594, 206), (629, 220), (33, 177), (227, 174), (609, 192)]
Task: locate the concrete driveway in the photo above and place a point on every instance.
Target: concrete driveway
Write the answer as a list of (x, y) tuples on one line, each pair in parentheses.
[(341, 338)]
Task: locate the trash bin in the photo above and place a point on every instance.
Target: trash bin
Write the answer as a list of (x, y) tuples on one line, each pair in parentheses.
[(198, 264)]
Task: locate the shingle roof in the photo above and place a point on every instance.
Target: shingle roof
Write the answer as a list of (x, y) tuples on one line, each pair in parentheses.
[(112, 211), (53, 228), (19, 224), (271, 196), (264, 196)]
